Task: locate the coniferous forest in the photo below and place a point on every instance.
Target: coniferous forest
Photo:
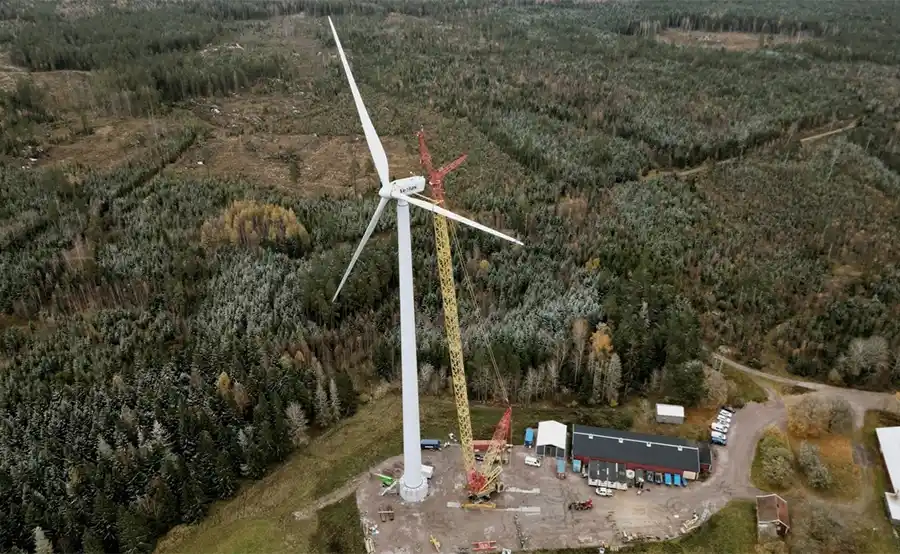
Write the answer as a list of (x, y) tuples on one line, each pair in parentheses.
[(166, 324)]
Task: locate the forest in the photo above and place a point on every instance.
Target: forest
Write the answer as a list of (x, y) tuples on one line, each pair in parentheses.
[(164, 338)]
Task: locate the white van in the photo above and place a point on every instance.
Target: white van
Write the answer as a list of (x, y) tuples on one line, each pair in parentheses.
[(532, 461), (427, 471)]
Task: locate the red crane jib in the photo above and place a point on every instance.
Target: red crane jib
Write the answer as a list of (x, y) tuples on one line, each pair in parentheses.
[(436, 176), (476, 479)]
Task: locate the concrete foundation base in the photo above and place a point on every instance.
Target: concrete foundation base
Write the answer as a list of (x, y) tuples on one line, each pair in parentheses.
[(410, 494)]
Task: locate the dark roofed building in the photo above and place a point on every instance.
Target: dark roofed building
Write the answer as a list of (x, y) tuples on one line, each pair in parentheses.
[(607, 474), (772, 519), (639, 451), (705, 457)]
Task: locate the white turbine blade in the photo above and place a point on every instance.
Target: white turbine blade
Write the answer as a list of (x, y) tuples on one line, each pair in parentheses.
[(369, 230), (450, 215), (375, 147)]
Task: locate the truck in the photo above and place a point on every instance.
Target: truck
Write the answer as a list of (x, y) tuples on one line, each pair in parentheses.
[(581, 506), (430, 444)]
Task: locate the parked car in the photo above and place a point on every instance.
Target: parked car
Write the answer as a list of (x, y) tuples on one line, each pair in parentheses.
[(723, 420), (719, 427), (718, 438), (603, 491), (725, 414), (532, 461), (728, 409)]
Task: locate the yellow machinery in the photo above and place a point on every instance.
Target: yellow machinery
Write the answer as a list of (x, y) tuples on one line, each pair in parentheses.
[(484, 483)]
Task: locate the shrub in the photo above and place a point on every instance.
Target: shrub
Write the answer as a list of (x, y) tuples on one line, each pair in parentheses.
[(816, 415), (816, 471), (819, 528), (776, 457)]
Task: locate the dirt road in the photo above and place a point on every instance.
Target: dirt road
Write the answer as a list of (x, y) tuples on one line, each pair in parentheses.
[(332, 497), (861, 401)]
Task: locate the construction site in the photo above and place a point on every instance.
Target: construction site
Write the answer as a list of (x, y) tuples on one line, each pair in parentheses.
[(534, 511), (472, 495)]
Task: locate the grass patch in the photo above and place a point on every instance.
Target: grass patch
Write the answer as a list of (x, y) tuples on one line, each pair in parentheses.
[(730, 531), (339, 530), (745, 388), (695, 426), (836, 452)]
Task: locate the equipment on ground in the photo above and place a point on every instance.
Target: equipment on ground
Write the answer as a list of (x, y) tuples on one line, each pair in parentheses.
[(413, 487), (581, 506), (482, 482), (386, 512), (603, 491), (435, 544), (484, 546), (560, 468), (479, 506)]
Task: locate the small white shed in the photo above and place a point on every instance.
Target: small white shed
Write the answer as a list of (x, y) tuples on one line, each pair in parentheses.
[(669, 413), (551, 439)]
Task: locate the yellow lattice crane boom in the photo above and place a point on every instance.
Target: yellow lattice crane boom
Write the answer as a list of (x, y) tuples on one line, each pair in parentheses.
[(482, 484)]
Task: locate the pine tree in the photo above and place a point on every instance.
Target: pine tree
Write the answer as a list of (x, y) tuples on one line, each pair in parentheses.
[(297, 423), (42, 544), (335, 400), (323, 411), (426, 372), (613, 379), (596, 369)]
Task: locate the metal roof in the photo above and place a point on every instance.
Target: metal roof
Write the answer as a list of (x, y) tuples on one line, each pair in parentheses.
[(607, 471), (892, 501), (635, 448), (889, 441), (553, 433), (670, 410)]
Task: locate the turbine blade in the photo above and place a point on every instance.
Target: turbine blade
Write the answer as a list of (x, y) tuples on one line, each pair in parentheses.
[(379, 157), (369, 230), (450, 215)]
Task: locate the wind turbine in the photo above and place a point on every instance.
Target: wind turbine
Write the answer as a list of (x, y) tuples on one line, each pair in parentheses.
[(413, 486)]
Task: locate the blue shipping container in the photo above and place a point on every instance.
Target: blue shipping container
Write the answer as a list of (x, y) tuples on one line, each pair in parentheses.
[(576, 466), (677, 480), (529, 437), (668, 478), (560, 466)]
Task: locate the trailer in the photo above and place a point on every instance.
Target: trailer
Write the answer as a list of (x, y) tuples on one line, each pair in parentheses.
[(529, 437), (669, 413), (484, 546)]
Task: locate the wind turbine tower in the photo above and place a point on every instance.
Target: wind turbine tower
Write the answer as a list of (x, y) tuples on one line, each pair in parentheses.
[(413, 486)]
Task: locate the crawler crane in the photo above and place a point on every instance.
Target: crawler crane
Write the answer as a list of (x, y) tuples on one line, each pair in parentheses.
[(485, 481)]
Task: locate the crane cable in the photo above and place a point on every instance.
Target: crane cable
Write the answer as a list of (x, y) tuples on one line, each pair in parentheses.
[(471, 290)]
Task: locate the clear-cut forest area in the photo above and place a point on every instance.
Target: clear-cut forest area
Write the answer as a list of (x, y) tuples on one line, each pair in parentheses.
[(183, 182)]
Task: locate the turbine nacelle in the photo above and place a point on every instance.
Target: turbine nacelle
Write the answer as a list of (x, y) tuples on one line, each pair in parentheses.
[(407, 185)]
